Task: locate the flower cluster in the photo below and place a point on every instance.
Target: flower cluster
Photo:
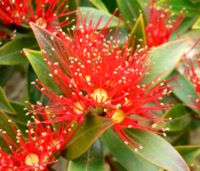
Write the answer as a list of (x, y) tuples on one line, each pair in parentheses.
[(160, 25), (35, 151), (98, 76), (45, 13), (192, 70)]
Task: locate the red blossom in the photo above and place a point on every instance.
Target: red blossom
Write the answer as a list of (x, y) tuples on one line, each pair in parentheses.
[(45, 13), (96, 75), (37, 150), (192, 72), (160, 25)]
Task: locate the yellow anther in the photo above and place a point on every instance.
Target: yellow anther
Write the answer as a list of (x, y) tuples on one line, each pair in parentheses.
[(100, 95), (118, 116), (31, 159)]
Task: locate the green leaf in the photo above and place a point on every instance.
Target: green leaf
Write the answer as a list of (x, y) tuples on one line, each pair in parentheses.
[(130, 9), (86, 134), (72, 8), (41, 69), (6, 73), (127, 157), (183, 89), (92, 160), (20, 119), (34, 94), (180, 118), (6, 126), (189, 152), (190, 9), (184, 26), (138, 31), (5, 104), (100, 5), (196, 25), (95, 15), (12, 52), (158, 151), (165, 58)]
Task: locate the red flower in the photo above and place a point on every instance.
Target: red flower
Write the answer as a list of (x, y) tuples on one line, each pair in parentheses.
[(96, 75), (160, 25), (45, 13), (36, 151), (192, 73)]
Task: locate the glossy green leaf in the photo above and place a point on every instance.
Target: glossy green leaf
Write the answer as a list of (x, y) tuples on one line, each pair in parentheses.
[(100, 5), (130, 9), (183, 89), (191, 9), (6, 126), (165, 58), (12, 52), (181, 118), (158, 151), (138, 31), (127, 157), (86, 134), (95, 15), (92, 160), (5, 104), (41, 69), (189, 152)]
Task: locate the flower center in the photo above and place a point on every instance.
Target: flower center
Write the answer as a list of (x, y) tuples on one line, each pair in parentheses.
[(31, 159), (41, 22), (118, 116), (100, 95), (78, 108)]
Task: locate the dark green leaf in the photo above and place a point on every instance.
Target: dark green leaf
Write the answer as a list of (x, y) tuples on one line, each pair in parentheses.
[(41, 69), (100, 5), (189, 152), (130, 9), (20, 119), (183, 89), (158, 151), (33, 93), (138, 31), (165, 58), (92, 160), (6, 126), (86, 134), (191, 9), (12, 52), (6, 72), (127, 157), (4, 103), (111, 5), (180, 118)]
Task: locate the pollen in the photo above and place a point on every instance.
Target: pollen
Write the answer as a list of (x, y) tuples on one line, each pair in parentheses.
[(118, 116), (100, 95), (78, 108), (31, 159)]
